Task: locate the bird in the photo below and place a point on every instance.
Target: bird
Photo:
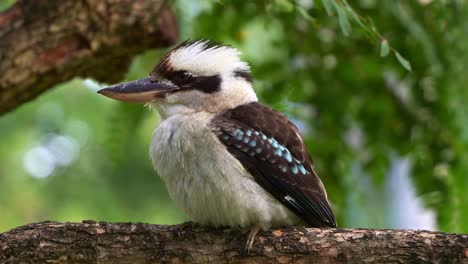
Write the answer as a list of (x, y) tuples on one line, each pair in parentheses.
[(226, 159)]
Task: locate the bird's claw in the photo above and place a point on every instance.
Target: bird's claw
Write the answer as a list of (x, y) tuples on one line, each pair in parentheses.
[(249, 243)]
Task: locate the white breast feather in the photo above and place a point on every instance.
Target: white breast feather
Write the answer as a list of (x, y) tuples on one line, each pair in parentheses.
[(206, 181)]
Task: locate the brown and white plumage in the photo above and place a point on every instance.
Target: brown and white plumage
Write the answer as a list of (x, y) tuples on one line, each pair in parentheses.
[(269, 146), (226, 159)]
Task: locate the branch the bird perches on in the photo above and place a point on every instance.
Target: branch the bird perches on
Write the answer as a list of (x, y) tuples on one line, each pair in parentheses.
[(103, 242)]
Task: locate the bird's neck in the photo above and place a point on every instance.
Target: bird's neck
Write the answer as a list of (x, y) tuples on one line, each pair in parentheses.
[(168, 110)]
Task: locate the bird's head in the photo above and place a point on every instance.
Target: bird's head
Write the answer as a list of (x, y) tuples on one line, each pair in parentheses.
[(194, 76)]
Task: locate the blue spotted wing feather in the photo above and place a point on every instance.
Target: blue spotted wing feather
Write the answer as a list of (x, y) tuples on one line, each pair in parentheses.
[(269, 146)]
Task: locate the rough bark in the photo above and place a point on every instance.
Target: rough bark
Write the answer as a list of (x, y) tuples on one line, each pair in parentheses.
[(92, 242), (43, 43)]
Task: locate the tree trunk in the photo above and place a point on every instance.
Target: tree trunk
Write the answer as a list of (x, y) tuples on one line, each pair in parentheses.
[(92, 242), (43, 43)]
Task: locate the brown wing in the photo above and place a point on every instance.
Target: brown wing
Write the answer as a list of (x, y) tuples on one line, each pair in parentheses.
[(269, 146)]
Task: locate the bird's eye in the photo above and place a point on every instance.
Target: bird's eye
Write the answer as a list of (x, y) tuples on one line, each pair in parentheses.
[(181, 77)]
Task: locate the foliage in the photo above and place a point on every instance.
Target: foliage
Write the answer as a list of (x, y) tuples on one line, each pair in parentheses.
[(4, 4), (324, 63)]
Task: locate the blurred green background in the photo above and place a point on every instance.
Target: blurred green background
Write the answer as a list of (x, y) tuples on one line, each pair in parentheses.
[(390, 144)]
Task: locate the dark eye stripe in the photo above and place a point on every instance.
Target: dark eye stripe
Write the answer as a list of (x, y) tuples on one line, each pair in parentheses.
[(244, 75), (206, 84)]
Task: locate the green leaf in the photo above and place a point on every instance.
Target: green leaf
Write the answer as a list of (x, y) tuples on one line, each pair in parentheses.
[(285, 5), (384, 48), (328, 6), (404, 62), (343, 20), (353, 14), (305, 14)]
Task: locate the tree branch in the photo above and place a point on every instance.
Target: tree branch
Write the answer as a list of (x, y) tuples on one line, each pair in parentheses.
[(43, 43), (92, 242)]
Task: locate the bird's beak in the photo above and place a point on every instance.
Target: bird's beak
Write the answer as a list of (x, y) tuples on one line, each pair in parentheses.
[(139, 91)]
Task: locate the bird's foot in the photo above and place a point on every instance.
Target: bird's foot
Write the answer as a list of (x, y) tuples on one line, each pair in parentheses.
[(188, 225), (183, 228), (250, 239)]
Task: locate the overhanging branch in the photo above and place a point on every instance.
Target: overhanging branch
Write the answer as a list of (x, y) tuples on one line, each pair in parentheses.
[(43, 43), (91, 242)]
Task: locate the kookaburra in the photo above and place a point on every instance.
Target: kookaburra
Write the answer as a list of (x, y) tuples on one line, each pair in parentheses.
[(226, 159)]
